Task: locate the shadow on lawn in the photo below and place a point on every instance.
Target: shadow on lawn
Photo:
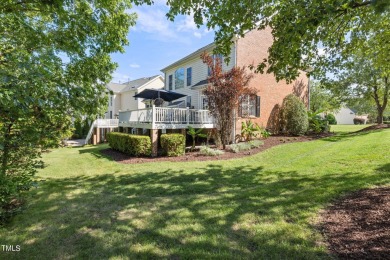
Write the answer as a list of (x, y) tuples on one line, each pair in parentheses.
[(95, 151), (347, 136), (242, 212)]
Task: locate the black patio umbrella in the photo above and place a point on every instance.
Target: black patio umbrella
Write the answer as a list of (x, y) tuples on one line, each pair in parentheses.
[(159, 93)]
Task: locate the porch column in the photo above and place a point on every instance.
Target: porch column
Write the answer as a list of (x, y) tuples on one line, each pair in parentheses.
[(98, 135), (154, 140), (94, 136)]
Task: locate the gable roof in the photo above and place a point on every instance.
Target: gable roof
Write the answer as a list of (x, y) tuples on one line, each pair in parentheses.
[(115, 87), (131, 85)]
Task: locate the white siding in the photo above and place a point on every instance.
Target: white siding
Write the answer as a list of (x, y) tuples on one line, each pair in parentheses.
[(199, 73), (345, 116), (127, 100)]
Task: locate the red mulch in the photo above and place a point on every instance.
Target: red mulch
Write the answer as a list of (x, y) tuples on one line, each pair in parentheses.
[(196, 156), (374, 127), (358, 226)]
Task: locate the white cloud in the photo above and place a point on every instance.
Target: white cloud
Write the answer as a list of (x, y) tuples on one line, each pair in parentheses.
[(187, 24), (134, 66), (153, 20), (198, 35), (120, 77)]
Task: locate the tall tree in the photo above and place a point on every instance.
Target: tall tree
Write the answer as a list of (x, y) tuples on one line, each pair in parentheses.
[(361, 79), (321, 99), (302, 29), (224, 93), (54, 64)]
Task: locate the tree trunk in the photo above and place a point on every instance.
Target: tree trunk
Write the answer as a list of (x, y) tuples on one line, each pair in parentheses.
[(379, 119)]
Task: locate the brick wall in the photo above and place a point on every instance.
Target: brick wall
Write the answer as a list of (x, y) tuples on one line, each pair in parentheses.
[(252, 49)]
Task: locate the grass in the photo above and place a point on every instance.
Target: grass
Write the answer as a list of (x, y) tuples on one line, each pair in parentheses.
[(346, 128), (257, 207)]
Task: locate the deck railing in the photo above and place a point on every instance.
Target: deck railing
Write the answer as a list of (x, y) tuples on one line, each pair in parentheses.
[(166, 115), (106, 123)]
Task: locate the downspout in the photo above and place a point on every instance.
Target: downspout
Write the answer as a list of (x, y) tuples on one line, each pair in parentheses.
[(235, 112), (308, 93)]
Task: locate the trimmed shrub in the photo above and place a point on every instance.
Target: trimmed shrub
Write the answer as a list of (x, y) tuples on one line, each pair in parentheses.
[(294, 116), (130, 144), (205, 150), (331, 119), (173, 144), (358, 121)]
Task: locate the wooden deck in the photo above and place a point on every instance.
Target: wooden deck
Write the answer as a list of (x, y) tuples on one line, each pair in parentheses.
[(166, 118)]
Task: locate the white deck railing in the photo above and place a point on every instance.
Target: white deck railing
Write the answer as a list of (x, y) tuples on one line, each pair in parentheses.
[(101, 123), (106, 123), (166, 115)]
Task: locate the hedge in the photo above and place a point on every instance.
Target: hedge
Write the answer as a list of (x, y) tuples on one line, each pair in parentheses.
[(173, 144), (130, 144)]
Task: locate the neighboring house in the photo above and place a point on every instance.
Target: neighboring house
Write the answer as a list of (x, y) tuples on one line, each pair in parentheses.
[(189, 76), (122, 97), (346, 115)]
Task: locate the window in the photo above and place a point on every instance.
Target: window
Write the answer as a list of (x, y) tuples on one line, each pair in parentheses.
[(249, 106), (205, 102), (179, 78), (215, 57), (110, 114), (188, 101), (189, 76), (110, 100), (170, 82)]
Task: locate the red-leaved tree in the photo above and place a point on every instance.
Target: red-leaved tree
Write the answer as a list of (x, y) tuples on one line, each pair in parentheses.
[(224, 92)]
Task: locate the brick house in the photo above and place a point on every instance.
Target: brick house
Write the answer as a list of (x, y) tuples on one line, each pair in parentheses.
[(189, 76)]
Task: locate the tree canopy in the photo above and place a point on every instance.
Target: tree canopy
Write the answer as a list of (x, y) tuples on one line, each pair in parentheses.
[(54, 65), (307, 33)]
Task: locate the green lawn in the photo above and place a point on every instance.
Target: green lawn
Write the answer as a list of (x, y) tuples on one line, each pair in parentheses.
[(346, 128), (260, 207)]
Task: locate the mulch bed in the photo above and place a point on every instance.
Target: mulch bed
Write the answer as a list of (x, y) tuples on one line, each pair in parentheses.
[(196, 156), (358, 226), (374, 127)]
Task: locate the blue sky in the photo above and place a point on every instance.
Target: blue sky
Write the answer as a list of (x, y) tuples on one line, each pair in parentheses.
[(156, 42)]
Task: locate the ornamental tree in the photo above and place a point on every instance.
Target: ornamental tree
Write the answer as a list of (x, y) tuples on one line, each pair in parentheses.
[(54, 65), (224, 93)]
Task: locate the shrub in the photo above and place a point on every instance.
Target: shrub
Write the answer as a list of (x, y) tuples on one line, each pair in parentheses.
[(294, 116), (256, 143), (173, 144), (195, 133), (130, 144), (245, 146), (249, 130), (358, 121), (331, 119), (317, 124), (265, 134), (205, 150)]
